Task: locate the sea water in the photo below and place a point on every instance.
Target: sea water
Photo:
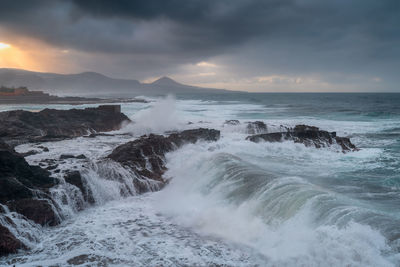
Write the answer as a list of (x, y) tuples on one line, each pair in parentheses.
[(231, 202)]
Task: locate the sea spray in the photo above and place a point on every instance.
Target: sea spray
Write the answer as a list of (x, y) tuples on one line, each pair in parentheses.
[(286, 218), (239, 203), (27, 231), (161, 116)]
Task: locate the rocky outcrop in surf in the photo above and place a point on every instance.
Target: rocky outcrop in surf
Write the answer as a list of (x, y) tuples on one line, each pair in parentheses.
[(256, 127), (146, 155), (8, 242), (24, 190), (19, 180), (252, 127), (19, 126), (307, 135)]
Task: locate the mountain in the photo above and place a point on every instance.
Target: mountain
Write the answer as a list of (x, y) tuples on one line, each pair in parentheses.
[(166, 81), (93, 84)]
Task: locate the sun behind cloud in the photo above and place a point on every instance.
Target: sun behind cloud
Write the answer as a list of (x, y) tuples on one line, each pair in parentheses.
[(4, 46), (13, 57), (30, 54)]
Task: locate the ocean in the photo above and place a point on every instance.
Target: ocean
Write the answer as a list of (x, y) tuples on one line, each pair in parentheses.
[(232, 202)]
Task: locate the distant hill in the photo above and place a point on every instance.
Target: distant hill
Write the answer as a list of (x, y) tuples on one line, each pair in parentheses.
[(93, 84), (165, 81)]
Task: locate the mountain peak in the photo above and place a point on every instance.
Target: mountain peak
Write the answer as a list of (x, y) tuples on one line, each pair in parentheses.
[(165, 81), (91, 74)]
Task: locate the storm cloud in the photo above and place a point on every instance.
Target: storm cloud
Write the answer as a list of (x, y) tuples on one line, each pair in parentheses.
[(263, 45)]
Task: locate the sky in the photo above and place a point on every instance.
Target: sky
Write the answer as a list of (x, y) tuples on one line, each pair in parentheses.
[(248, 45)]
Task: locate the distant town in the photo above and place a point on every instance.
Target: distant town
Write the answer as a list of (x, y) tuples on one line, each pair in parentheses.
[(20, 91), (22, 95)]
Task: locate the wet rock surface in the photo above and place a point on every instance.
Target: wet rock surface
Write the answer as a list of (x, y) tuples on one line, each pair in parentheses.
[(24, 189), (307, 135), (252, 127), (232, 122), (146, 155), (256, 127), (75, 178), (18, 179), (8, 242), (69, 156), (21, 186), (38, 210), (20, 126)]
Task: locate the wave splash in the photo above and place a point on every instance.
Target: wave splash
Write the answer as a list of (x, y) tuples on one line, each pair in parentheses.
[(282, 200), (289, 219)]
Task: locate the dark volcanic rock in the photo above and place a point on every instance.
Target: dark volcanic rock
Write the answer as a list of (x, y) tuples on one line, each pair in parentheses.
[(50, 124), (69, 156), (256, 127), (18, 178), (346, 144), (20, 185), (93, 135), (38, 210), (307, 135), (192, 136), (75, 178), (52, 167), (8, 242), (45, 149), (29, 153), (66, 156), (253, 127), (145, 156), (231, 122)]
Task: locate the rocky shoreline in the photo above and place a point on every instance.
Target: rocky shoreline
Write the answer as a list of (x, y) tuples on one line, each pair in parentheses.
[(307, 135), (146, 155), (24, 189), (69, 100), (19, 126)]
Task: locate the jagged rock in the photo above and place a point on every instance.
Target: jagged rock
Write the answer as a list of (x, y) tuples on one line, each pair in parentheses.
[(52, 167), (19, 126), (231, 122), (29, 153), (69, 156), (45, 149), (75, 178), (307, 135), (8, 242), (192, 136), (346, 144), (66, 156), (21, 185), (18, 178), (145, 156), (253, 127), (93, 135), (256, 127), (38, 210)]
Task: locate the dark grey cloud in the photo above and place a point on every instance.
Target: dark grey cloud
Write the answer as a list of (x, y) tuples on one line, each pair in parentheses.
[(359, 37)]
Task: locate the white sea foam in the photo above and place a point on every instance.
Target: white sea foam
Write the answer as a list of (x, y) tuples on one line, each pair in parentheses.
[(231, 202), (276, 218)]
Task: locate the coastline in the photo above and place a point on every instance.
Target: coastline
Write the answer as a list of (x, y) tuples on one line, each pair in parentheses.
[(99, 171)]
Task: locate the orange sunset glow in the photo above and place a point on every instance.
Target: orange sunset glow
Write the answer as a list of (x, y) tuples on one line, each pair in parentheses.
[(13, 57), (33, 55), (4, 46)]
